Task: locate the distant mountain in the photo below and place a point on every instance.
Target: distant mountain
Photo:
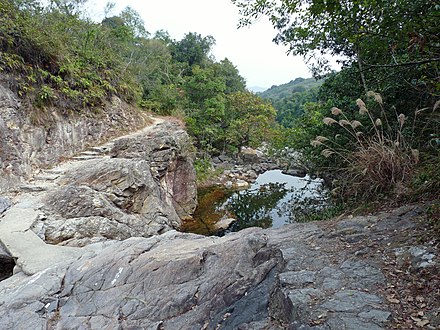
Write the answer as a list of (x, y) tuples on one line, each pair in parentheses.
[(257, 89), (286, 90), (290, 99)]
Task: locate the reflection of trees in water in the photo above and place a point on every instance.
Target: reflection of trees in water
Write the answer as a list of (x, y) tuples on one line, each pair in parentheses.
[(252, 207), (308, 200)]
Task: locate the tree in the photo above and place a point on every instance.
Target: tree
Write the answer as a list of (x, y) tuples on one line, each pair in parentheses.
[(193, 49), (372, 34), (134, 22), (234, 82), (249, 118)]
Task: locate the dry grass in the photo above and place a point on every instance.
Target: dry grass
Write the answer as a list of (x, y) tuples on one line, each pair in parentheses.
[(379, 167), (381, 161)]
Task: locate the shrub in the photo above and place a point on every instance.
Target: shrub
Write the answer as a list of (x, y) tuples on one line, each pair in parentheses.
[(371, 154)]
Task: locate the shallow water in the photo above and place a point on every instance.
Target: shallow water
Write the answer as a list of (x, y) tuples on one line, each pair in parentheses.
[(272, 201)]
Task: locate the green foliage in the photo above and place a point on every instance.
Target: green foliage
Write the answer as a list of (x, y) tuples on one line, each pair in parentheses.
[(290, 99), (294, 86), (57, 58), (193, 49), (249, 120), (391, 47), (205, 171)]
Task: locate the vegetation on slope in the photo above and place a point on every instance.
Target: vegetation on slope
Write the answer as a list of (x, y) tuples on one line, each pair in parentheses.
[(54, 56), (290, 99)]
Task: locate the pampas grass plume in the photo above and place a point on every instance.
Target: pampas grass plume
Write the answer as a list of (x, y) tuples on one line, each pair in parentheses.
[(336, 111), (329, 121), (356, 124)]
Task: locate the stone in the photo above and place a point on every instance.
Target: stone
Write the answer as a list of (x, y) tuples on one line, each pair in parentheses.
[(376, 315), (295, 172), (112, 199), (351, 301), (224, 223), (139, 283), (144, 187), (298, 278), (241, 184), (251, 156), (5, 204), (332, 278), (362, 273), (26, 146), (351, 322)]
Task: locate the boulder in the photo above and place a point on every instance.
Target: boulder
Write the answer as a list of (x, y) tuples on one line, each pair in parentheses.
[(144, 186), (251, 156), (173, 281), (168, 150)]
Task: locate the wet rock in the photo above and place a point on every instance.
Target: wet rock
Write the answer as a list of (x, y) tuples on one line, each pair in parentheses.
[(224, 223), (295, 172)]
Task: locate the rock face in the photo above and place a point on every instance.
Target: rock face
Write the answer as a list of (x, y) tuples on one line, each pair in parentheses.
[(139, 184), (175, 281), (26, 146), (143, 185)]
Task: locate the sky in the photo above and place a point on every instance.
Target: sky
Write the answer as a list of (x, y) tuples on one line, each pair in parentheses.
[(251, 49)]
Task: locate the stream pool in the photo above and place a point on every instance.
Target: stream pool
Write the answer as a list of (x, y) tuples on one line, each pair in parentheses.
[(273, 200)]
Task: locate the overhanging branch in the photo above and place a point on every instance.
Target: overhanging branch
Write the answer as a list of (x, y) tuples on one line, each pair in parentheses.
[(369, 66)]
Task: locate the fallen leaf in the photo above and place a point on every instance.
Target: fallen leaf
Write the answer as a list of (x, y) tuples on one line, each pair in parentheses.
[(393, 300), (422, 323), (415, 319)]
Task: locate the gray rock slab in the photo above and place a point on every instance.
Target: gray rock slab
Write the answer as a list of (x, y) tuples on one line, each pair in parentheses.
[(362, 273), (352, 301), (297, 278), (176, 281), (5, 204)]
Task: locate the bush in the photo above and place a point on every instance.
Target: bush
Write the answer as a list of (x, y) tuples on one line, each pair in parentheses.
[(371, 155)]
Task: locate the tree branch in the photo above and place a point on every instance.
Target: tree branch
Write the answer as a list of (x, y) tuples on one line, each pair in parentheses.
[(369, 66)]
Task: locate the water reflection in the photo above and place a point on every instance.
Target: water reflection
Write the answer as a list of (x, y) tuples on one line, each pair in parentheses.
[(254, 207), (273, 200)]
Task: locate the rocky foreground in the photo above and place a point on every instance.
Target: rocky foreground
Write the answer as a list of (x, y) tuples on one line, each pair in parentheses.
[(342, 274)]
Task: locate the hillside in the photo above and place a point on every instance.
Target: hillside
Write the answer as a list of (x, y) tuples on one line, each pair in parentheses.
[(290, 99), (298, 85)]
